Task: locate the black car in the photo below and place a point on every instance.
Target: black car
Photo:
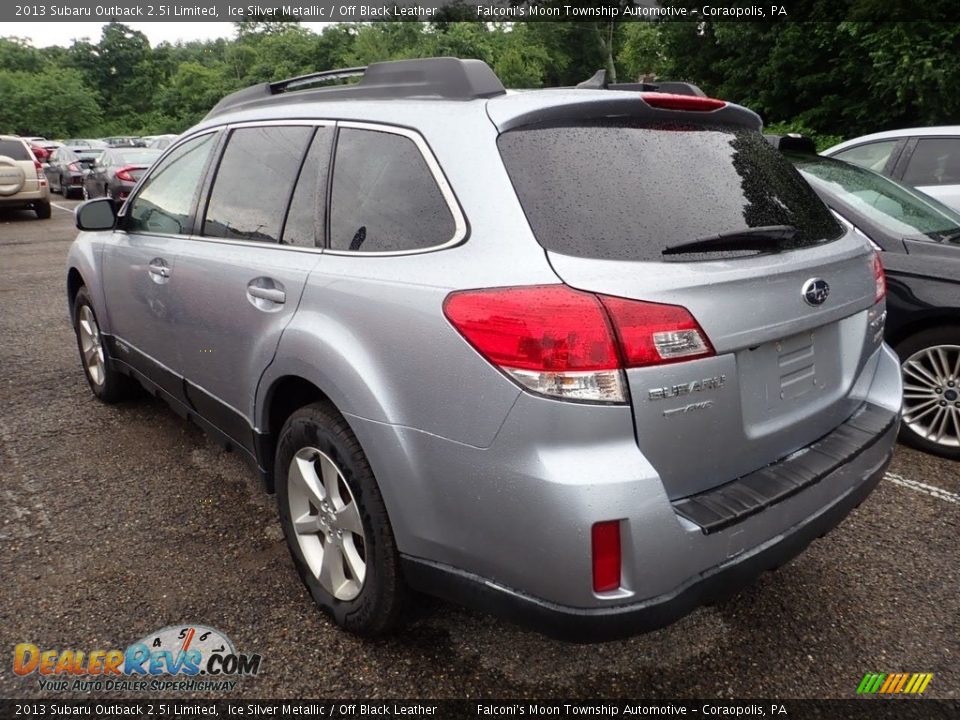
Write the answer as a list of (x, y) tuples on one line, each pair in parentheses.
[(116, 171), (66, 168), (920, 240)]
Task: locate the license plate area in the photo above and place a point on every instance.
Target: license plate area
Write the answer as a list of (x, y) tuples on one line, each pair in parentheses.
[(789, 374)]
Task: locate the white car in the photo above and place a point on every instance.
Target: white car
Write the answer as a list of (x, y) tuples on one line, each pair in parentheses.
[(22, 182), (926, 158)]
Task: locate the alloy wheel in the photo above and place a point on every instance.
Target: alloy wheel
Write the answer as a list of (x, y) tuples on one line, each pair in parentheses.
[(91, 345), (327, 523), (931, 394)]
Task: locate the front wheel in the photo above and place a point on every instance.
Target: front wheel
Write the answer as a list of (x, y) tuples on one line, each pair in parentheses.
[(930, 363), (335, 522), (106, 383)]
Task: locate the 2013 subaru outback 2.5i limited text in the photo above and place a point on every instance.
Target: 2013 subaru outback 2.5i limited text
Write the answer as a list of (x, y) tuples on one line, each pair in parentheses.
[(585, 357)]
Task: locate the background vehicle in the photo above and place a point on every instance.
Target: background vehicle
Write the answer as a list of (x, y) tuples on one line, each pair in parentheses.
[(124, 141), (926, 158), (116, 171), (920, 238), (161, 142), (67, 167), (22, 183), (89, 143), (591, 416)]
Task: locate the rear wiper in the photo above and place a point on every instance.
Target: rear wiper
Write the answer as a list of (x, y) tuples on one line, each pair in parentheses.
[(766, 238)]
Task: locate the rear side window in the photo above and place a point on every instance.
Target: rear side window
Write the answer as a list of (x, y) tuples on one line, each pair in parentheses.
[(254, 182), (872, 156), (307, 215), (385, 199), (14, 149), (628, 192), (935, 161), (166, 200)]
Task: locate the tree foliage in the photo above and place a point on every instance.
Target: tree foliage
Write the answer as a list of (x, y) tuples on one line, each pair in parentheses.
[(831, 79)]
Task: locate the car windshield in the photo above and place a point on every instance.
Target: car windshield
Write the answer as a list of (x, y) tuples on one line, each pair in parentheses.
[(138, 157), (901, 210)]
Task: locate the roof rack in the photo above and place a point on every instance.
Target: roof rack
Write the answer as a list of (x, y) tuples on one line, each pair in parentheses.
[(446, 78), (598, 81)]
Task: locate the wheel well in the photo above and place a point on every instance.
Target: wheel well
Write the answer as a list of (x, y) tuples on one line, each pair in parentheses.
[(74, 283), (288, 394), (905, 331)]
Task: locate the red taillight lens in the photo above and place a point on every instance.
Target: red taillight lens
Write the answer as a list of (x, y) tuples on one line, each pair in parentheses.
[(654, 334), (571, 344), (549, 327), (73, 167), (669, 101), (605, 542), (124, 174), (879, 277)]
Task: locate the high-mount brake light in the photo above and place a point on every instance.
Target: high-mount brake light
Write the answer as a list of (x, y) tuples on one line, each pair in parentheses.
[(570, 344), (670, 101), (879, 278)]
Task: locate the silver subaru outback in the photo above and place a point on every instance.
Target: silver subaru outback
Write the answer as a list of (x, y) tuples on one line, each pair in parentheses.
[(585, 358)]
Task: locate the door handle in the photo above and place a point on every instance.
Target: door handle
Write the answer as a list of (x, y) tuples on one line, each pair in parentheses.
[(159, 269), (273, 295)]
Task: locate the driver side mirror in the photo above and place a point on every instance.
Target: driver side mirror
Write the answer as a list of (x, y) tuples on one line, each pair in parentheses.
[(98, 214)]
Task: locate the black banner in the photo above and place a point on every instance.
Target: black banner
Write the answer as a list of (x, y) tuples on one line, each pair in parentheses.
[(860, 709), (477, 11)]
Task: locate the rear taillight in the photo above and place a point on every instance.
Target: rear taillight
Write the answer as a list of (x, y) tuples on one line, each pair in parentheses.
[(124, 174), (39, 168), (879, 278), (669, 101), (570, 344), (605, 550), (73, 167)]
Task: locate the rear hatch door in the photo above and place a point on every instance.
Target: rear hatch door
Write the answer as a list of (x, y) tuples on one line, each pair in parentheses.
[(607, 197)]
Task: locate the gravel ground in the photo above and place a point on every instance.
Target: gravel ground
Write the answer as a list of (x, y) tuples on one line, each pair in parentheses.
[(120, 520)]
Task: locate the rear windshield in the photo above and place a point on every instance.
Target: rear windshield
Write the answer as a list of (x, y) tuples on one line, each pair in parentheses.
[(14, 149), (139, 157), (627, 192)]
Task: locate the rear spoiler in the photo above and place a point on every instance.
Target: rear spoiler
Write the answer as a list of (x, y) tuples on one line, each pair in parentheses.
[(598, 81)]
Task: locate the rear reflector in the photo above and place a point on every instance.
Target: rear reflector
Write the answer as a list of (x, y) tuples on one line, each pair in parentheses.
[(669, 101), (605, 542), (879, 278), (569, 344)]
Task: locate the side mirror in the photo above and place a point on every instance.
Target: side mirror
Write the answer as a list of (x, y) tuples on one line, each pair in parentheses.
[(98, 214)]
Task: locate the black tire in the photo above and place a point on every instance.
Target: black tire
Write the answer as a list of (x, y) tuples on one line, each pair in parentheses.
[(377, 608), (115, 386), (42, 209), (923, 340)]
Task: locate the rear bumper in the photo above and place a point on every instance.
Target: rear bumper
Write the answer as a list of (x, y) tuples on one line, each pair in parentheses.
[(23, 199), (618, 621)]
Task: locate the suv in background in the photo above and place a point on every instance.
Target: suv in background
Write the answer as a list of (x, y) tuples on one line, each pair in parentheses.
[(22, 183), (583, 357), (926, 158)]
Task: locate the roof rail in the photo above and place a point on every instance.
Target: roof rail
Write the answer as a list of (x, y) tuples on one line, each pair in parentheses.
[(446, 78), (598, 81)]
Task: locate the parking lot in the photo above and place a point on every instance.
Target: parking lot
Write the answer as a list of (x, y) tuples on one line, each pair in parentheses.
[(118, 521)]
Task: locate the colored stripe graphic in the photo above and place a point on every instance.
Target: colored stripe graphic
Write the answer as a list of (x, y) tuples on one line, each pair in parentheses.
[(894, 683)]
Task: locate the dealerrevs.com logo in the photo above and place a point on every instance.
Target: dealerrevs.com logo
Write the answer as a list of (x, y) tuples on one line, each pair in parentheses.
[(186, 658)]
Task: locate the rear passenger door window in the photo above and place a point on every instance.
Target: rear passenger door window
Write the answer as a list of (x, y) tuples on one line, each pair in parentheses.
[(385, 198), (873, 156), (935, 161), (307, 215), (254, 182)]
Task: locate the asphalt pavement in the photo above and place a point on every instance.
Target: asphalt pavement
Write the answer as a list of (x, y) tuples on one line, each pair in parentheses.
[(118, 521)]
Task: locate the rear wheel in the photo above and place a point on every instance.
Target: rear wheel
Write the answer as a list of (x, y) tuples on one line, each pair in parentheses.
[(106, 383), (335, 522), (42, 209), (930, 362)]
